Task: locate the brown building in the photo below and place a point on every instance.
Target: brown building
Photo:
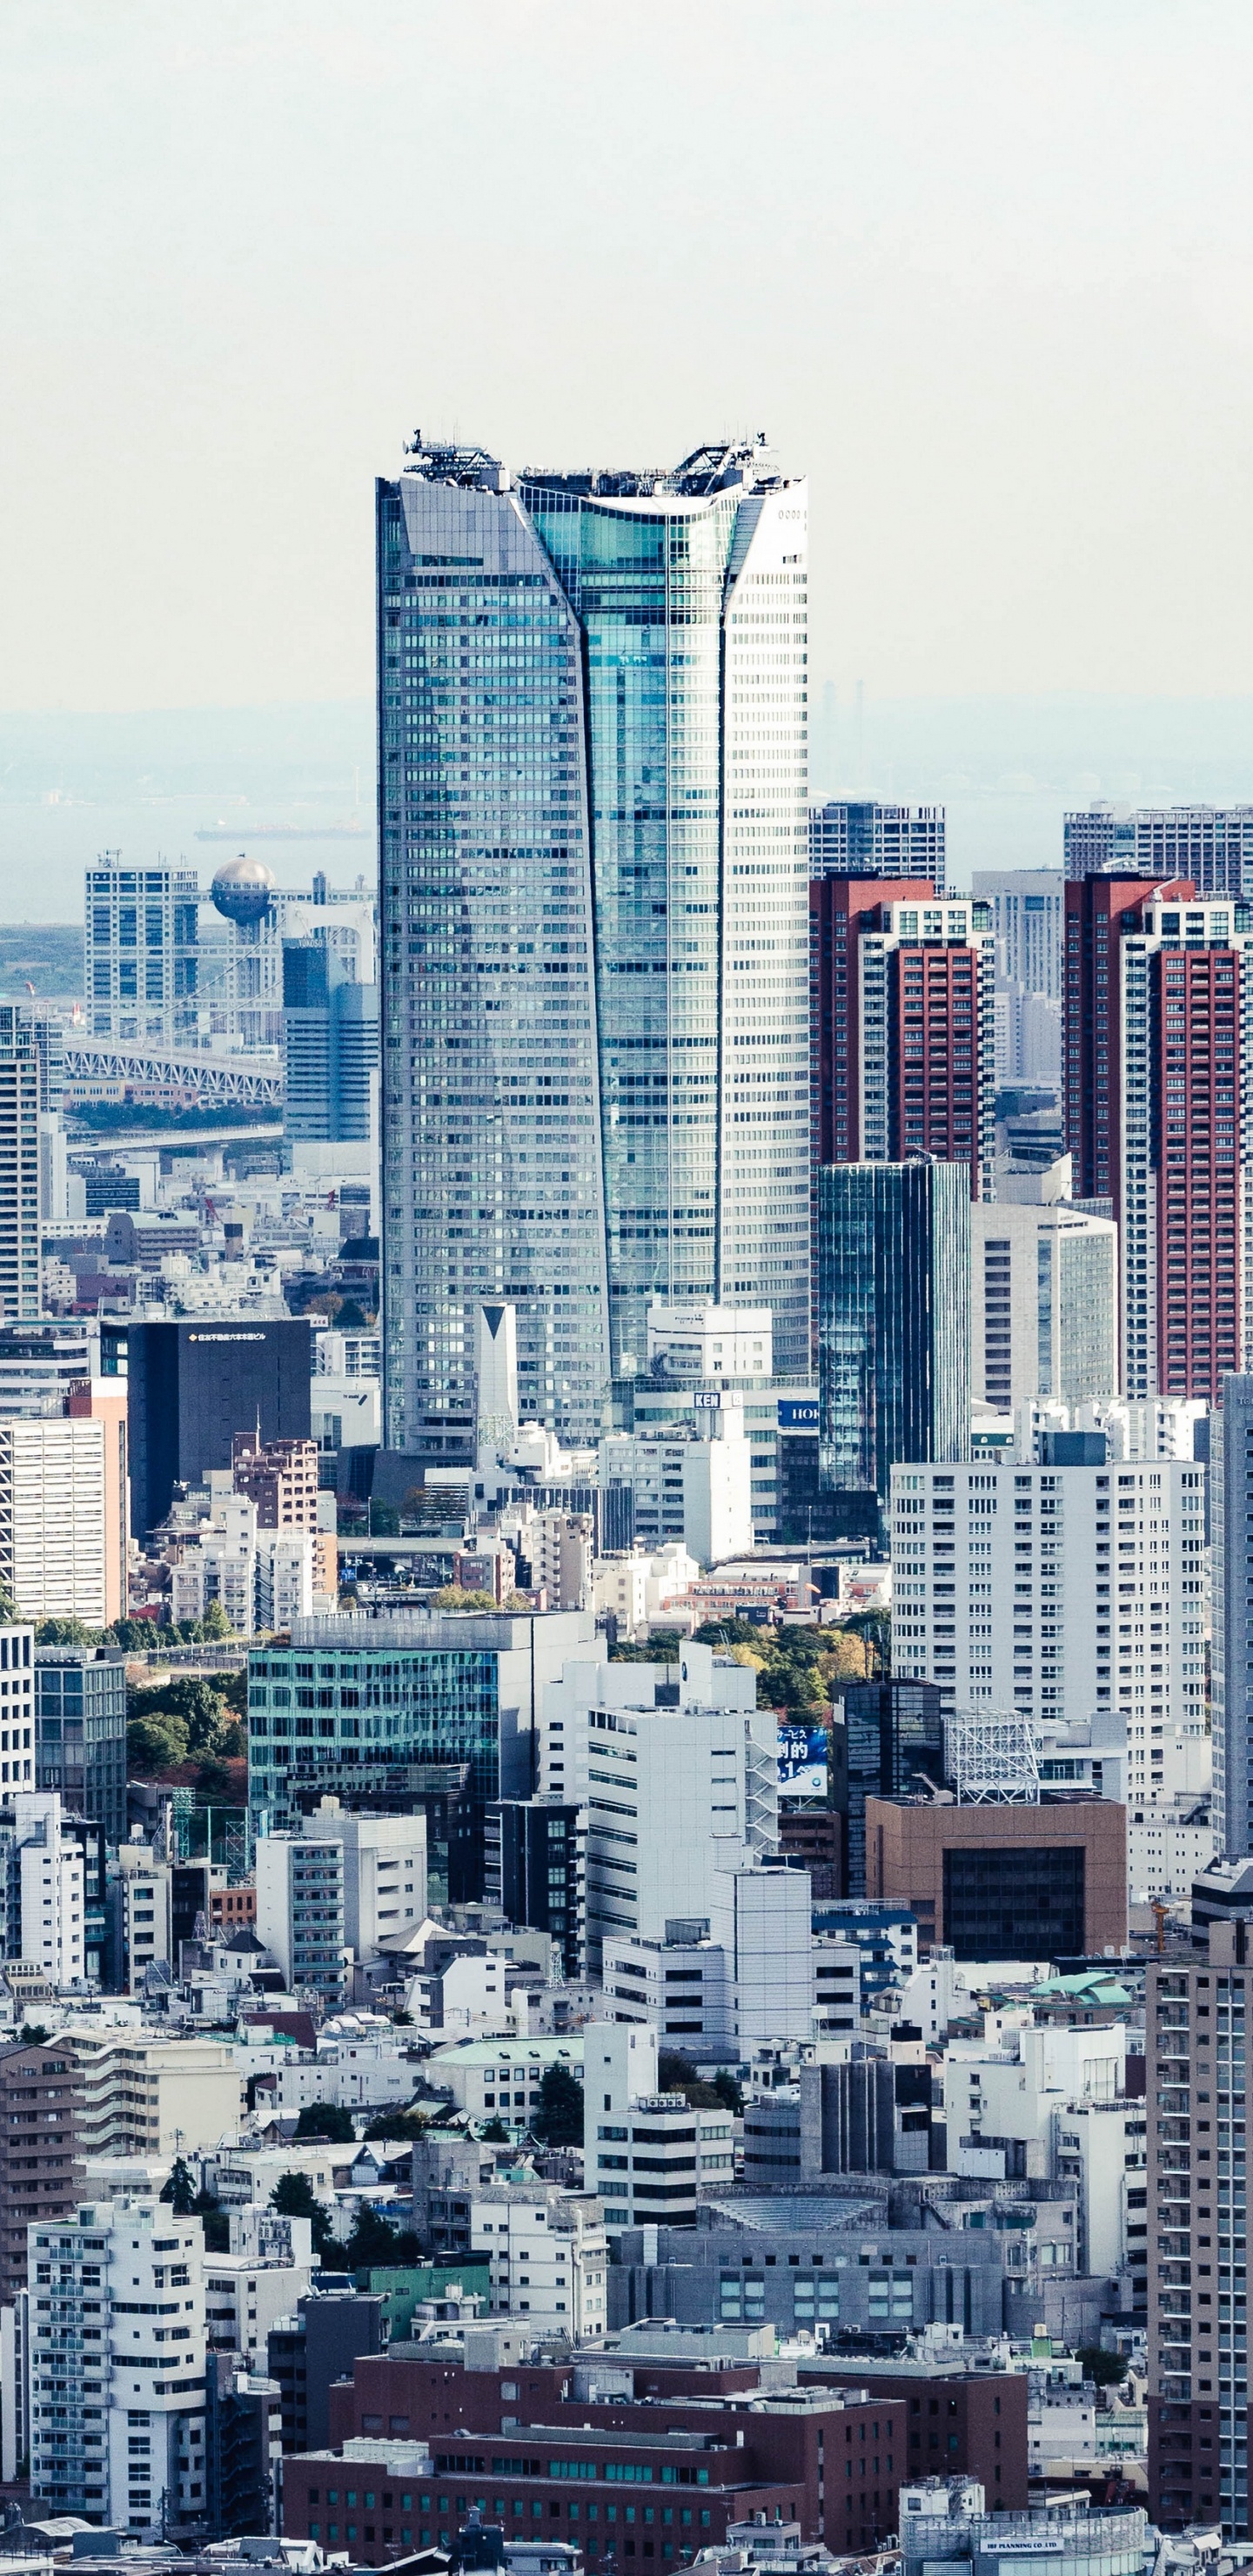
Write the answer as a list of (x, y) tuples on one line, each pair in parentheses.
[(39, 2144), (1196, 2018), (660, 2472), (987, 1881), (281, 1478), (814, 1834), (960, 2423)]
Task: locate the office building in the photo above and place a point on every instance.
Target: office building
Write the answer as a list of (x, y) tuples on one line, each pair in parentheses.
[(859, 838), (281, 1478), (984, 1880), (1159, 1058), (892, 1738), (689, 1479), (300, 1910), (1044, 1301), (455, 1704), (55, 1490), (41, 1361), (309, 2351), (1069, 1592), (903, 998), (384, 1873), (1231, 1648), (715, 1358), (1210, 844), (117, 2436), (679, 1775), (140, 952), (893, 1320), (760, 1918), (193, 1386), (1027, 907), (1196, 2023), (519, 1163), (330, 1040), (40, 2147), (537, 1870), (21, 1294)]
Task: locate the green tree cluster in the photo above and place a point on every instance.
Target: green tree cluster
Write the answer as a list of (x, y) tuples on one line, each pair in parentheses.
[(178, 1720), (676, 2074), (326, 2120), (454, 1596)]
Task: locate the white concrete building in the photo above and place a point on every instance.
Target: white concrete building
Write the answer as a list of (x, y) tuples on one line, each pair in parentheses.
[(500, 2079), (694, 1489), (678, 1986), (690, 1341), (673, 1794), (141, 1906), (384, 1873), (761, 1919), (118, 2363), (260, 2280), (262, 1579), (53, 1534), (1103, 2146), (639, 1588), (300, 1909), (1057, 1592), (549, 2256), (50, 1887), (645, 2152), (1044, 1304), (148, 2096)]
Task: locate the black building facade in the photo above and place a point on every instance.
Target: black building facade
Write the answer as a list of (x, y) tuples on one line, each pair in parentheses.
[(192, 1386), (893, 1738)]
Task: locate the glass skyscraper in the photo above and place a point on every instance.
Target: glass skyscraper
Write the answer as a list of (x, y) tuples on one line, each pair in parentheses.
[(893, 1319), (594, 861)]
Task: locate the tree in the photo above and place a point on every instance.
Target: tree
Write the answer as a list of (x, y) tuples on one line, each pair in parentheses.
[(215, 2222), (729, 2091), (411, 2122), (351, 1317), (326, 2120), (215, 1624), (180, 2190), (375, 2244), (676, 2074), (559, 2119), (66, 1632), (155, 1744), (454, 1596), (1104, 2368), (293, 2196), (494, 2134), (33, 2035)]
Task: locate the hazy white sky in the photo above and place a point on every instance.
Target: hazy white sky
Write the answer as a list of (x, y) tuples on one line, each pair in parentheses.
[(983, 267)]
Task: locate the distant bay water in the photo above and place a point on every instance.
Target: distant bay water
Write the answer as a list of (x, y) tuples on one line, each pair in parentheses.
[(1007, 771)]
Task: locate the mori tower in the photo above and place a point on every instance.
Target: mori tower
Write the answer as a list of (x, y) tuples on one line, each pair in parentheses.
[(594, 871)]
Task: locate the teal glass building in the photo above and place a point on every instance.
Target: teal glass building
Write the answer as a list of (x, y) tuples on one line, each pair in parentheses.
[(594, 870), (893, 1320)]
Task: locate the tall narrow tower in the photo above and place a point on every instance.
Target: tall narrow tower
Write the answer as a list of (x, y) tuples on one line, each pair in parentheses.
[(592, 717)]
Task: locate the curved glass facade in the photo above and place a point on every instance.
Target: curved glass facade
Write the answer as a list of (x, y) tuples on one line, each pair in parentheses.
[(594, 906)]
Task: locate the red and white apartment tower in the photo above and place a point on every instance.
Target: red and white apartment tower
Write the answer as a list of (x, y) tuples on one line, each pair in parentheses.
[(1158, 1073)]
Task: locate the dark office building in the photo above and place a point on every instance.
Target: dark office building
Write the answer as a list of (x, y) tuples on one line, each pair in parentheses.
[(193, 1386), (80, 1734), (536, 1858), (893, 1731), (241, 2459), (332, 2329), (893, 1320)]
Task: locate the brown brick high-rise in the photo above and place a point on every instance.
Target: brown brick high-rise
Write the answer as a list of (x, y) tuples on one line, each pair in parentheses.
[(39, 2145)]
